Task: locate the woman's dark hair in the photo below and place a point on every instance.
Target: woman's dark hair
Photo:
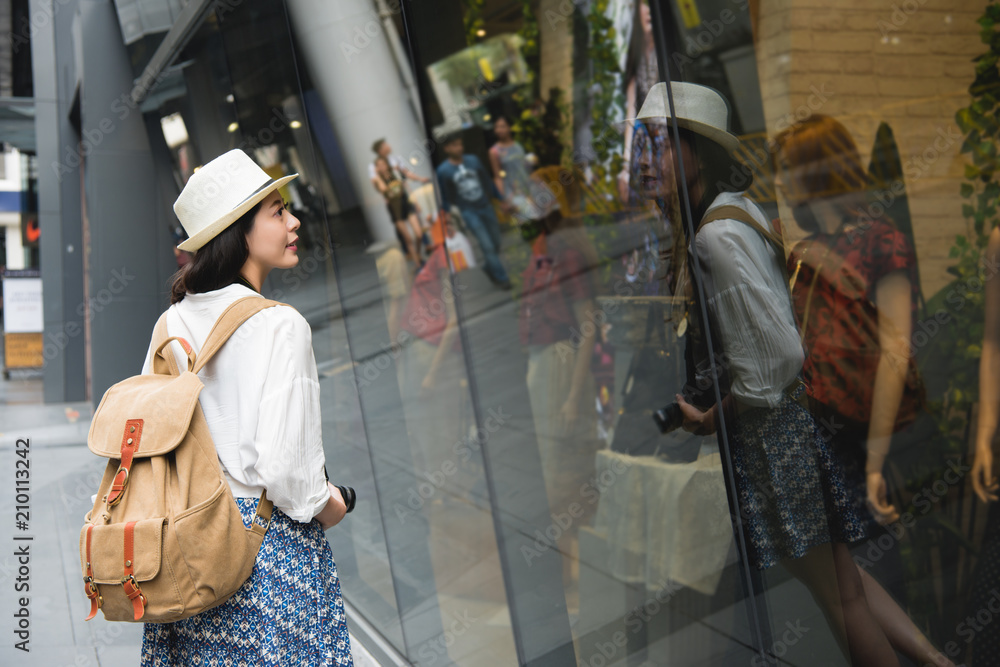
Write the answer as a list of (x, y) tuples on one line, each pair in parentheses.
[(216, 264), (720, 171)]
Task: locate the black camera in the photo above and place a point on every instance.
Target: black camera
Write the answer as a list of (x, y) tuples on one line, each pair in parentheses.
[(350, 497), (668, 418)]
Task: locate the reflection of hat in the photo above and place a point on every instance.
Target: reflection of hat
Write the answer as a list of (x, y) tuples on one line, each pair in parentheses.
[(219, 193), (698, 108)]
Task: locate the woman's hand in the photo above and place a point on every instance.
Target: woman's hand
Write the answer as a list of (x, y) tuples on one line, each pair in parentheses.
[(334, 510), (983, 481), (878, 498), (696, 421)]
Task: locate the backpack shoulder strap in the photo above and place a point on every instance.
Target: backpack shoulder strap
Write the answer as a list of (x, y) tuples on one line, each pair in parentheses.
[(229, 321), (163, 360), (732, 212)]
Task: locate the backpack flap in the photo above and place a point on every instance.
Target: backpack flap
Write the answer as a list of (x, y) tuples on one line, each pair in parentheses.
[(107, 551), (153, 411), (123, 554)]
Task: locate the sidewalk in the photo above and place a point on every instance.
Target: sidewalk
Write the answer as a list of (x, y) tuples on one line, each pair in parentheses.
[(64, 475)]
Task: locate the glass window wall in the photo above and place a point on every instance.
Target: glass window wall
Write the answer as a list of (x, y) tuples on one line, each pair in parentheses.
[(648, 332)]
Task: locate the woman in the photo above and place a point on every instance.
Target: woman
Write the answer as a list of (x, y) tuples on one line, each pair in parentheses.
[(404, 216), (510, 166), (558, 323), (261, 401), (791, 495)]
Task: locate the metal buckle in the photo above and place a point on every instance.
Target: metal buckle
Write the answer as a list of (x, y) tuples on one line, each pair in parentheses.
[(258, 520)]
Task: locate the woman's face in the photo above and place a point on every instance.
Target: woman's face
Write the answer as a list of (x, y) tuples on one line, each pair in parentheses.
[(272, 240), (655, 155), (646, 18), (382, 167), (502, 129)]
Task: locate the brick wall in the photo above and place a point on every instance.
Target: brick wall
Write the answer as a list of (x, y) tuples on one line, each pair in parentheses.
[(906, 63)]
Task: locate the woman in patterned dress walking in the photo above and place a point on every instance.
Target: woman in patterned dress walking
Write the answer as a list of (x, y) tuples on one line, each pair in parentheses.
[(261, 401)]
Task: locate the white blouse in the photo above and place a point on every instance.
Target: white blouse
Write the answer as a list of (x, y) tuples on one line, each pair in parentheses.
[(261, 400), (749, 303)]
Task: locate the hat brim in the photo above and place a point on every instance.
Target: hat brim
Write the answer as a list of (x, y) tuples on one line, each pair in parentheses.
[(209, 232), (725, 139)]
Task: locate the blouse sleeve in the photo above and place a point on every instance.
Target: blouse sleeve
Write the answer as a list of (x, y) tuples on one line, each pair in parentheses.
[(288, 439), (751, 310)]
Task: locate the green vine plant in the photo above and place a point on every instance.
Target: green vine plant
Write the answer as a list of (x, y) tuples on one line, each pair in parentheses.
[(963, 299), (606, 96), (949, 359), (473, 20)]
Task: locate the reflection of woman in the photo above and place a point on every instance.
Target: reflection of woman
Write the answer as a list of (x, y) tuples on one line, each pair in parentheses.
[(790, 492), (558, 323), (855, 295), (390, 183), (986, 581), (510, 164), (261, 402), (432, 362)]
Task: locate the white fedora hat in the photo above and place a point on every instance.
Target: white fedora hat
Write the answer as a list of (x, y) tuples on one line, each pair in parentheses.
[(219, 193), (698, 108)]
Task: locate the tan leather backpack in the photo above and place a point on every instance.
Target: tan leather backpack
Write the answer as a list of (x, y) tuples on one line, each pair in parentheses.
[(165, 539)]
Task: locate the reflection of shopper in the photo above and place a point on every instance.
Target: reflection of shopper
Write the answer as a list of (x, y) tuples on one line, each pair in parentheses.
[(389, 182), (558, 324), (261, 402), (986, 579), (465, 184), (432, 367), (790, 492), (510, 166), (394, 279)]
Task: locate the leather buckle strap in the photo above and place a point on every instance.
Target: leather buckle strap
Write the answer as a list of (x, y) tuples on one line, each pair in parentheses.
[(129, 583), (88, 582), (262, 519), (130, 445)]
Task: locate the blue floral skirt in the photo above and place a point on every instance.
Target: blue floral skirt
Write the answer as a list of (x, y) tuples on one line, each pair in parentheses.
[(289, 612), (792, 493)]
